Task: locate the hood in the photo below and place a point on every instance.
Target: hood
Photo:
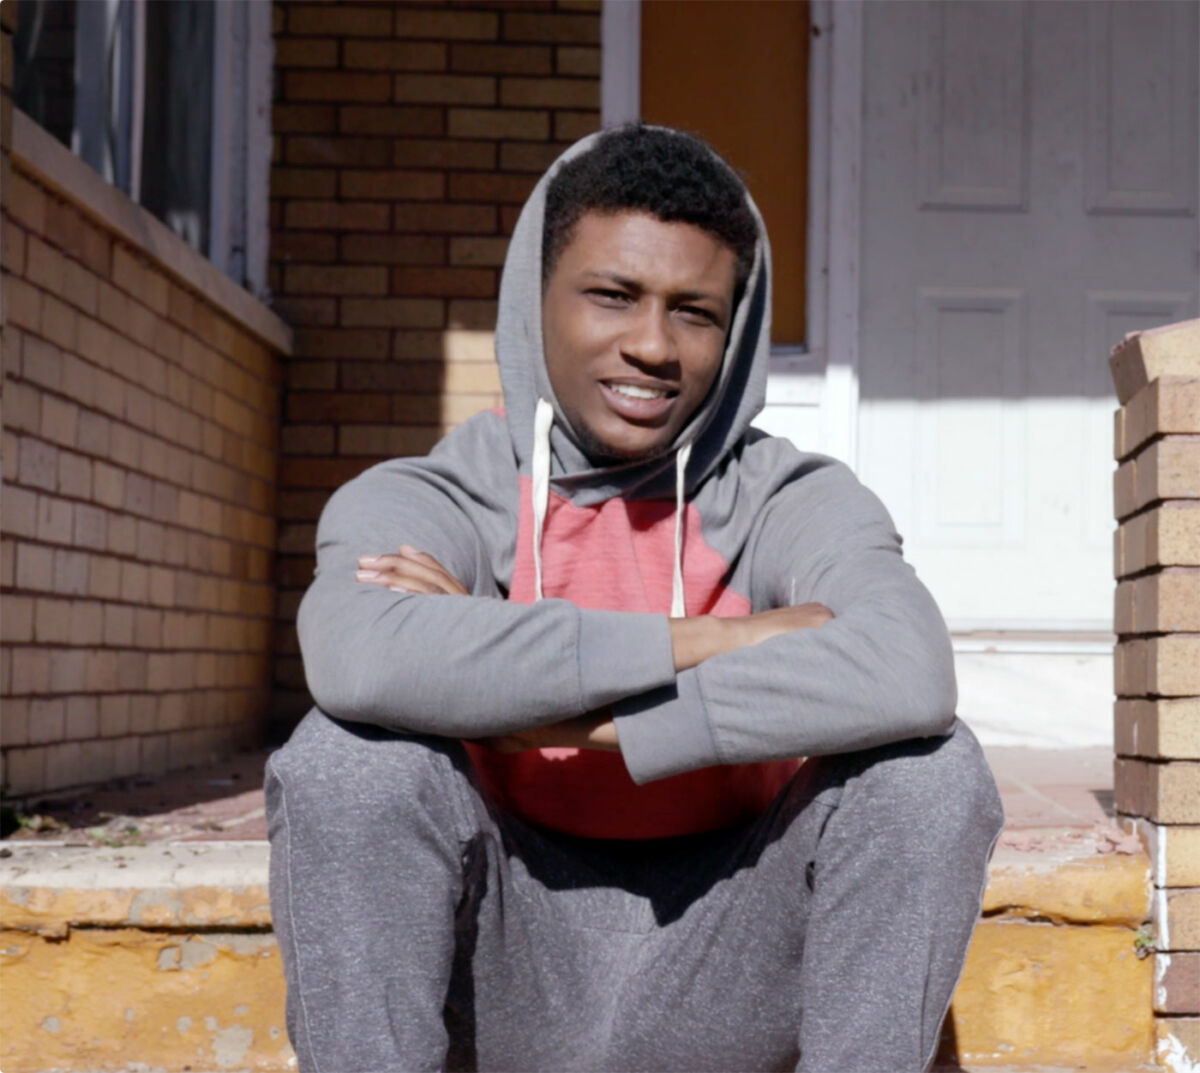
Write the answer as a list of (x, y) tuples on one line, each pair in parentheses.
[(735, 399)]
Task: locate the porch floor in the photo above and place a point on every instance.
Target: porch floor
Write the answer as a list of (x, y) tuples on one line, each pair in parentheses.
[(1040, 788)]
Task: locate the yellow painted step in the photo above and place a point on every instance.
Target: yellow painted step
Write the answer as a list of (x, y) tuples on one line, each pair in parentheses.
[(161, 956)]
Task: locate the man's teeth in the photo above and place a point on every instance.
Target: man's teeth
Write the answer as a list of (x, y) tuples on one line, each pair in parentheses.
[(634, 391)]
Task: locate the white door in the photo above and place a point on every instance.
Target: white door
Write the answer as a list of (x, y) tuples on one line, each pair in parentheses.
[(1029, 195)]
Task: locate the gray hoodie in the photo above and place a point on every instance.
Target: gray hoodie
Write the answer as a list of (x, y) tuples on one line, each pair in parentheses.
[(789, 528)]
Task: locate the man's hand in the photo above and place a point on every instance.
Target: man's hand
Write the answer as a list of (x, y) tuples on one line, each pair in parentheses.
[(409, 570), (593, 731)]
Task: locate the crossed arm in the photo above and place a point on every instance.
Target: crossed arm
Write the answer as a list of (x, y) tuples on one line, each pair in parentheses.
[(693, 640)]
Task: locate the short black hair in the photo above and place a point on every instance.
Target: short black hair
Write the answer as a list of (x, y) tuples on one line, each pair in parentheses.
[(667, 173)]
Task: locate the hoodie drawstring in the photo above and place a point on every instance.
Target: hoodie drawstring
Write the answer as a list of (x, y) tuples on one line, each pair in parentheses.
[(543, 421), (678, 610)]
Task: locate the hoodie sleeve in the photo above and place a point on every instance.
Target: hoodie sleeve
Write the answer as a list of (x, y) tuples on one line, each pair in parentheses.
[(882, 670), (448, 665)]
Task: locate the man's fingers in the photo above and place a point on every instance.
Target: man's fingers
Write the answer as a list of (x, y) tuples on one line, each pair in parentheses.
[(414, 573)]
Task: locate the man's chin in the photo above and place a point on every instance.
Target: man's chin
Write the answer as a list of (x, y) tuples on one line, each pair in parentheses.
[(609, 452)]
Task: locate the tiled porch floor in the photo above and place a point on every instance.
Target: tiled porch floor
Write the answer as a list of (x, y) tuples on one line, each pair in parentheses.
[(1041, 788)]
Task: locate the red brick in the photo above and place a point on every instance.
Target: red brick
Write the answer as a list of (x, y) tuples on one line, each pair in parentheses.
[(307, 440), (574, 29), (336, 279), (448, 219), (393, 312), (38, 464), (395, 55), (340, 20), (60, 420), (42, 363), (313, 375), (71, 572), (303, 182), (444, 89), (315, 408), (392, 120), (318, 473), (550, 92), (386, 441), (417, 345), (298, 311), (337, 216), (533, 157), (54, 520), (472, 314), (394, 249), (494, 186), (303, 118), (337, 343), (446, 24), (91, 527), (335, 86), (414, 153), (501, 59), (299, 246), (83, 713), (12, 248), (19, 512), (26, 203), (302, 52), (47, 719), (418, 377), (44, 265), (571, 126), (447, 282), (337, 150), (17, 619), (571, 60), (498, 123), (392, 185), (23, 303), (1177, 983)]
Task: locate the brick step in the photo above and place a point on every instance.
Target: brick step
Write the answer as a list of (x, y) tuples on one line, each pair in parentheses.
[(162, 956)]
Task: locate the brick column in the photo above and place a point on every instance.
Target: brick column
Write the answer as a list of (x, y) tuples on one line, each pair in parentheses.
[(1157, 619)]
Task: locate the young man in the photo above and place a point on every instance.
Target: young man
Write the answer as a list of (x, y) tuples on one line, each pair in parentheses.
[(547, 814)]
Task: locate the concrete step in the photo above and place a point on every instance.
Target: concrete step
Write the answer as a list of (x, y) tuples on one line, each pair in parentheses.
[(160, 957)]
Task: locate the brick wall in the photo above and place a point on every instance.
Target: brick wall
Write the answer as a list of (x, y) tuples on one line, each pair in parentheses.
[(407, 135), (139, 449), (1157, 619)]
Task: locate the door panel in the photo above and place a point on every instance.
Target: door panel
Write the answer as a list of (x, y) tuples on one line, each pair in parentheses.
[(1029, 195)]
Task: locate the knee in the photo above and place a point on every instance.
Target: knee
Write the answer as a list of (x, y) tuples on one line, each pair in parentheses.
[(332, 765), (941, 787)]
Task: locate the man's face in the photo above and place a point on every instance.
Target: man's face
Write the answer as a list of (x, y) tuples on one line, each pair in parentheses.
[(634, 320)]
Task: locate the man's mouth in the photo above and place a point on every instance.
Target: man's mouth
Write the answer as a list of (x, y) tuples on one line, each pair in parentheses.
[(639, 391), (638, 402)]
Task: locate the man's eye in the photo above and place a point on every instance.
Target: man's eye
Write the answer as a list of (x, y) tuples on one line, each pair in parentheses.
[(606, 296), (698, 315)]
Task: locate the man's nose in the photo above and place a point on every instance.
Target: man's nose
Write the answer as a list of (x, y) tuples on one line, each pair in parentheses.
[(649, 340)]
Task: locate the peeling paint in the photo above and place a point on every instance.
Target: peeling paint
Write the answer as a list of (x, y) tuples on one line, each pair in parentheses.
[(182, 1024), (231, 1044), (1174, 1057), (50, 1024)]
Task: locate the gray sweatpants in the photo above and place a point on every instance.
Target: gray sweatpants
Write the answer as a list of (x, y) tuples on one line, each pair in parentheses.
[(420, 929)]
